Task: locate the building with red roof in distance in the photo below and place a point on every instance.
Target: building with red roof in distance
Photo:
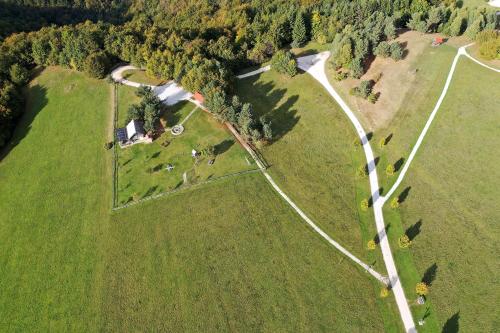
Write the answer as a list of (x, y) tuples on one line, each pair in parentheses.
[(198, 97)]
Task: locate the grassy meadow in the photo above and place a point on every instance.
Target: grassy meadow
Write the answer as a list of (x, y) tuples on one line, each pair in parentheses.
[(138, 75), (314, 161), (312, 157), (451, 207), (54, 198), (228, 256)]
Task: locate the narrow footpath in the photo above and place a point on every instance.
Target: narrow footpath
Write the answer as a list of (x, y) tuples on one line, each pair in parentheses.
[(315, 65)]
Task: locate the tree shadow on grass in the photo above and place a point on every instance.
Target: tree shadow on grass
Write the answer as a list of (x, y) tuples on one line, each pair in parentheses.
[(405, 49), (157, 167), (224, 146), (172, 115), (150, 191), (399, 163), (369, 167), (413, 230), (451, 325), (404, 195), (388, 139), (127, 162), (266, 99), (284, 118), (35, 103), (377, 239), (430, 274)]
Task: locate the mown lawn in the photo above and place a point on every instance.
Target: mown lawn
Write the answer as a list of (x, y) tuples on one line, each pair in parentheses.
[(142, 168), (138, 75), (312, 156), (54, 198), (314, 161), (229, 256), (452, 208)]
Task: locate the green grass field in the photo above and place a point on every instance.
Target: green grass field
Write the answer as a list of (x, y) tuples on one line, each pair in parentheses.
[(314, 161), (229, 256), (54, 199), (142, 168), (137, 75), (312, 157), (453, 205)]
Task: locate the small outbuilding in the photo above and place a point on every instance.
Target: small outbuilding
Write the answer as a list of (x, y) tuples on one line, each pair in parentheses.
[(437, 41), (133, 133), (198, 97)]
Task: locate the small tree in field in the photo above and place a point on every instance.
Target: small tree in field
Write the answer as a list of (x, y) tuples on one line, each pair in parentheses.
[(389, 171), (404, 242), (284, 63), (364, 205), (209, 152), (371, 245), (384, 292), (396, 51), (422, 289), (382, 143), (395, 203), (96, 64), (362, 172)]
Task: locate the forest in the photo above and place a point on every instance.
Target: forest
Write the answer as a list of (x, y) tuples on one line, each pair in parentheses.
[(200, 44)]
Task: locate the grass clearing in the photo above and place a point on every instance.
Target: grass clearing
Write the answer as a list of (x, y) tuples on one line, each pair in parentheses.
[(142, 168), (453, 206), (402, 131), (230, 256), (398, 80), (139, 75)]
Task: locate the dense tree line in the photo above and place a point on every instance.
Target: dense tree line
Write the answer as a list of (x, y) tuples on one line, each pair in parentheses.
[(25, 16), (199, 43)]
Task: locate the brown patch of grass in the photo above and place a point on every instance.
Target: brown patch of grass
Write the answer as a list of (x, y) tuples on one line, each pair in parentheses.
[(397, 78)]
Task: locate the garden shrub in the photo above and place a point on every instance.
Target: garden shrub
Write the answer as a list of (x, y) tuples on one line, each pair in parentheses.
[(404, 241), (395, 203), (422, 289), (284, 63)]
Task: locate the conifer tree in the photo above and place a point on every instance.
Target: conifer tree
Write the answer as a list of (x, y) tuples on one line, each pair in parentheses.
[(299, 33)]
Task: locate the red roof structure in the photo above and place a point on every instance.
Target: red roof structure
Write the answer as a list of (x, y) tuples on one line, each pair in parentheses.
[(438, 41), (199, 97)]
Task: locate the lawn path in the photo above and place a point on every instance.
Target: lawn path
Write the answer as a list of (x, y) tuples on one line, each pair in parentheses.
[(315, 65), (189, 115), (461, 51), (255, 72), (170, 93), (479, 62)]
